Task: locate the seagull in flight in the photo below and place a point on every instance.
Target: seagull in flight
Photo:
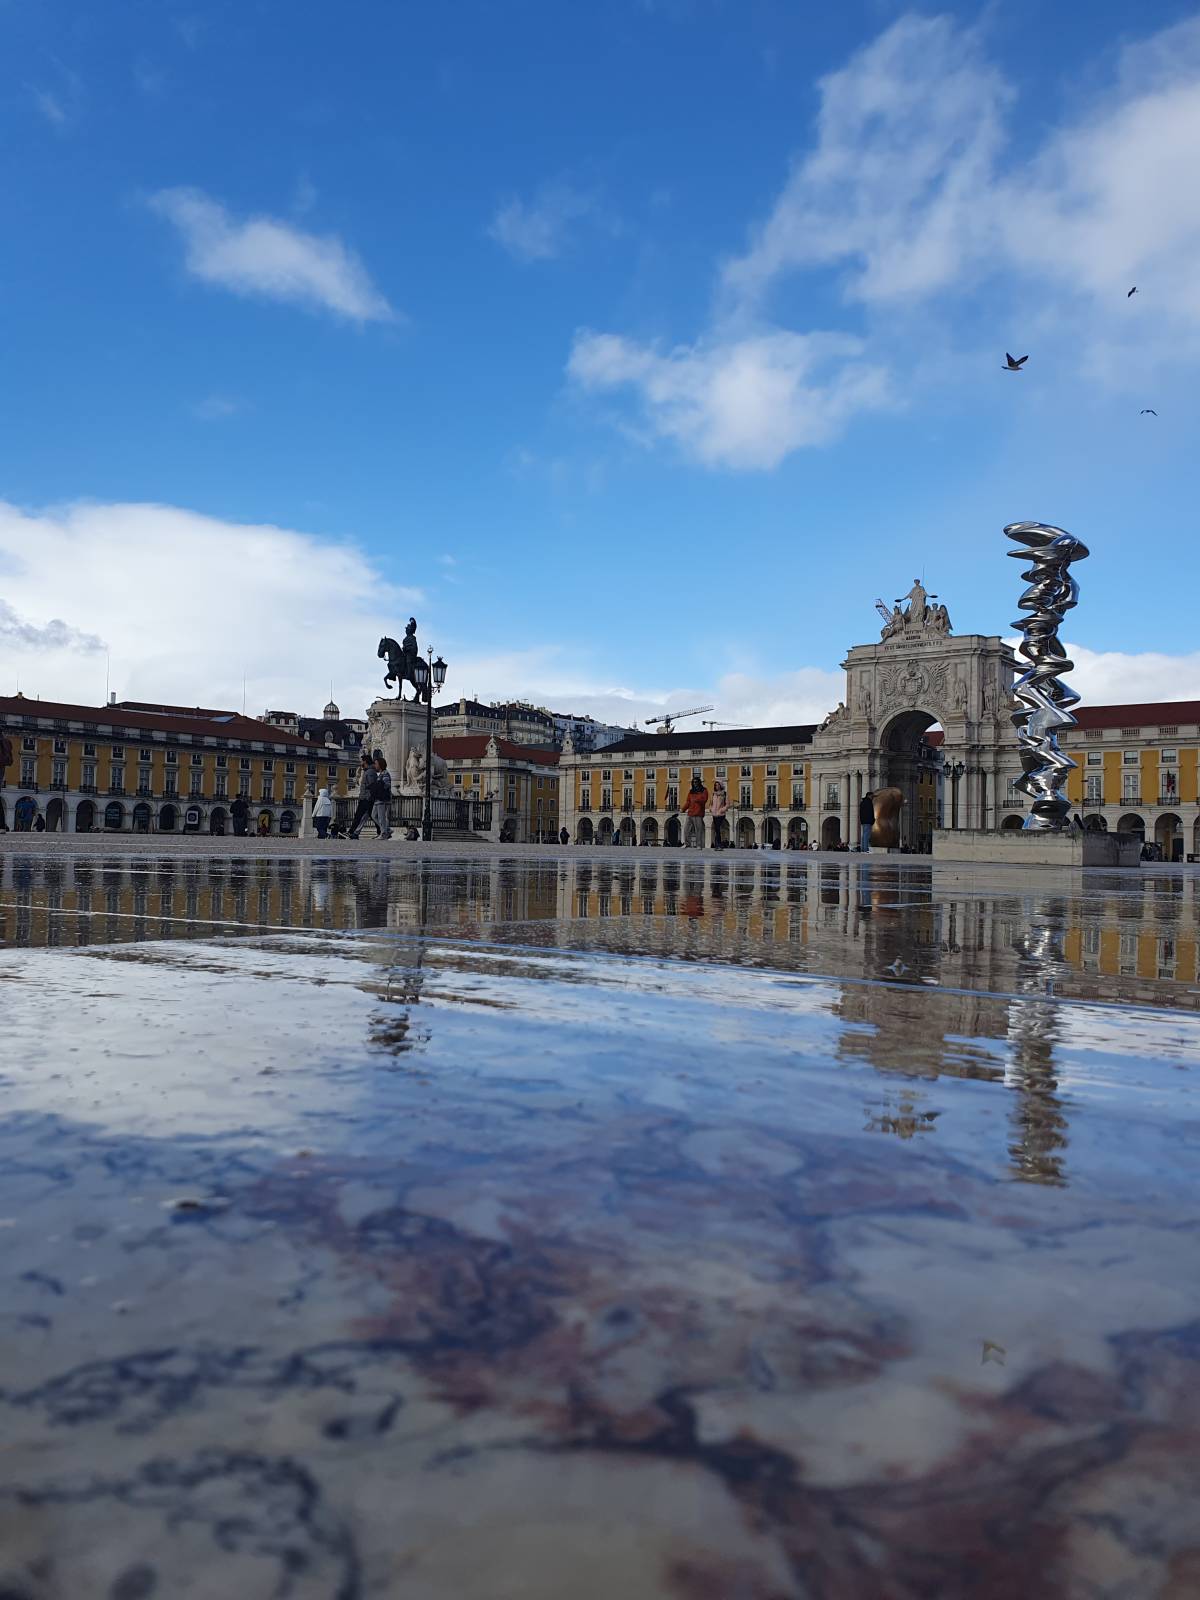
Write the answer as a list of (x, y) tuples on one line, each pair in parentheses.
[(1132, 292), (1148, 411), (1014, 366)]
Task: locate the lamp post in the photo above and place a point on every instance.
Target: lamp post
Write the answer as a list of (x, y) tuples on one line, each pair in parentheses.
[(430, 675), (955, 773)]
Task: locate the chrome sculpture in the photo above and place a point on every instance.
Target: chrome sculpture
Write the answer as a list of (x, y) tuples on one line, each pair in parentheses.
[(1042, 699)]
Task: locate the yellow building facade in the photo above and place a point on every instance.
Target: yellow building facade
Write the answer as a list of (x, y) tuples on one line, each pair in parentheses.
[(135, 767)]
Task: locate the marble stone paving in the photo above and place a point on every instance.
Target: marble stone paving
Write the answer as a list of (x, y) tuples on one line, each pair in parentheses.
[(516, 1230)]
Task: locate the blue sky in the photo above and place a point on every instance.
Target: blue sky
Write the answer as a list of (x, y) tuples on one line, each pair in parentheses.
[(636, 346)]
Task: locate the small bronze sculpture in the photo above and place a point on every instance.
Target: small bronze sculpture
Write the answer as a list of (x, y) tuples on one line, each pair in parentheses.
[(400, 658)]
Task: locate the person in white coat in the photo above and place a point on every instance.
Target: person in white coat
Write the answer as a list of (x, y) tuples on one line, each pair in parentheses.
[(322, 812)]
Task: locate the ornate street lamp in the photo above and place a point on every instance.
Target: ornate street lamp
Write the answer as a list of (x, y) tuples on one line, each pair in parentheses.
[(428, 677), (954, 773)]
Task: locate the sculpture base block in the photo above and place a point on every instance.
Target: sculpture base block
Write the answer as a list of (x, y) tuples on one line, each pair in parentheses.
[(1016, 847), (885, 850)]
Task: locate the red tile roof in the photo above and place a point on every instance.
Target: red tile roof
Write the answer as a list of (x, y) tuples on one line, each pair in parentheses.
[(1151, 715), (473, 747), (134, 719)]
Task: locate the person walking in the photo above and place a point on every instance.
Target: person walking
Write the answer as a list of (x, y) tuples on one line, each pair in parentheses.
[(563, 836), (381, 792), (694, 805), (718, 806), (322, 812), (866, 820), (240, 813), (366, 783)]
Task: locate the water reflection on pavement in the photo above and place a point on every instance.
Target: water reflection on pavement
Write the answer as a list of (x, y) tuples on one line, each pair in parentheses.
[(468, 1228)]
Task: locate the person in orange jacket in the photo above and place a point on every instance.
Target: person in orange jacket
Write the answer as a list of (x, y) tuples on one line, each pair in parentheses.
[(694, 804)]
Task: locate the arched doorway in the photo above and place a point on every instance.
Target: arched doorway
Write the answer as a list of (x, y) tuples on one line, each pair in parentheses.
[(650, 831), (1168, 836), (628, 831), (23, 814), (56, 815), (85, 817), (141, 817), (913, 765), (217, 820), (605, 831), (745, 833), (287, 821), (114, 816), (831, 833), (266, 822), (797, 837), (1095, 824), (772, 834), (584, 833), (1011, 824), (1132, 823), (673, 833)]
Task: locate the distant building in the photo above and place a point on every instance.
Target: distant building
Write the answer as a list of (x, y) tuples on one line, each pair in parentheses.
[(521, 781), (329, 729), (523, 723), (137, 766)]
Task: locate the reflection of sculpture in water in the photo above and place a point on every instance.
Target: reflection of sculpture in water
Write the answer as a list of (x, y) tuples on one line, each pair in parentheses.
[(885, 830)]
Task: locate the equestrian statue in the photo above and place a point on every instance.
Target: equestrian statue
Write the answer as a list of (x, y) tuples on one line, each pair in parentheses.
[(400, 659)]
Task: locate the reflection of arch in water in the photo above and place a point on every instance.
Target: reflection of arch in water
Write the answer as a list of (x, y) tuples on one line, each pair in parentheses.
[(1168, 836), (650, 831), (141, 817), (1132, 823), (831, 832), (745, 832), (798, 833), (584, 832), (85, 817), (673, 832)]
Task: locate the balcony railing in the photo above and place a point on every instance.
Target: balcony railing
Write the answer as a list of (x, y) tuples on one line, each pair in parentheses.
[(87, 788), (832, 805), (145, 792), (606, 805), (586, 807), (770, 805), (1130, 800), (1014, 802), (116, 788), (1166, 799), (28, 783), (1093, 802), (60, 784)]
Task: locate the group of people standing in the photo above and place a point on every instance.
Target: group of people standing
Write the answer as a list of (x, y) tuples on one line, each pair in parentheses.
[(696, 803)]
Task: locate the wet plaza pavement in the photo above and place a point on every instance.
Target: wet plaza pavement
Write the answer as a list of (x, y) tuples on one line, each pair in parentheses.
[(517, 1229)]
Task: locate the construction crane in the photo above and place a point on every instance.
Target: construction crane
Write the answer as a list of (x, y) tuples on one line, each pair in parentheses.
[(710, 723), (667, 722)]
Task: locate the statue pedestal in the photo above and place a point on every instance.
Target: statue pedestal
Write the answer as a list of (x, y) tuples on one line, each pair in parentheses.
[(395, 727)]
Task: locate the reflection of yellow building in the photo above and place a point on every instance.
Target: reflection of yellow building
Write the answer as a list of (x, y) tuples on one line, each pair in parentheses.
[(134, 766)]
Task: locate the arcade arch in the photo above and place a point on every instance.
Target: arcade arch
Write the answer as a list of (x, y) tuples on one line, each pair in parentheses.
[(650, 831), (584, 832)]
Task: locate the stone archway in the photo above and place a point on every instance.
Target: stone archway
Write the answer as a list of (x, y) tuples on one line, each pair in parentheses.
[(114, 816), (628, 830), (85, 817), (1011, 824), (650, 831), (745, 833), (167, 819), (1168, 836), (1132, 823), (605, 831), (56, 815), (673, 833), (910, 763), (584, 833), (831, 833), (772, 834), (217, 820), (1095, 824), (25, 810), (141, 817), (797, 834)]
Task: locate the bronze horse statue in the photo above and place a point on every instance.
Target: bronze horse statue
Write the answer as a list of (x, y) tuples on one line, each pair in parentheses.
[(400, 659)]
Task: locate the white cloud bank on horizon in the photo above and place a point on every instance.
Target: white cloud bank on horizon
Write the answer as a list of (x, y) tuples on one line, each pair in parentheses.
[(187, 604), (904, 190), (270, 259)]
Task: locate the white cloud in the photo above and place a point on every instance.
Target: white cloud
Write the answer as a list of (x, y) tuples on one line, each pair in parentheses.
[(271, 259), (913, 192), (187, 604), (738, 402), (215, 407), (538, 229), (1115, 677)]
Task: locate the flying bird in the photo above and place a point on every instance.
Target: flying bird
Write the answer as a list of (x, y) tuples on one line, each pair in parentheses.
[(1132, 292), (1148, 411), (1014, 366)]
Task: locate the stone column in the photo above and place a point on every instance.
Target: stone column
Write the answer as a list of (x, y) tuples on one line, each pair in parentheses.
[(846, 809)]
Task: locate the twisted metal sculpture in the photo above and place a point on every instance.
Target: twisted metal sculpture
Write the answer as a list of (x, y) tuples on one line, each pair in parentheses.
[(1042, 700)]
